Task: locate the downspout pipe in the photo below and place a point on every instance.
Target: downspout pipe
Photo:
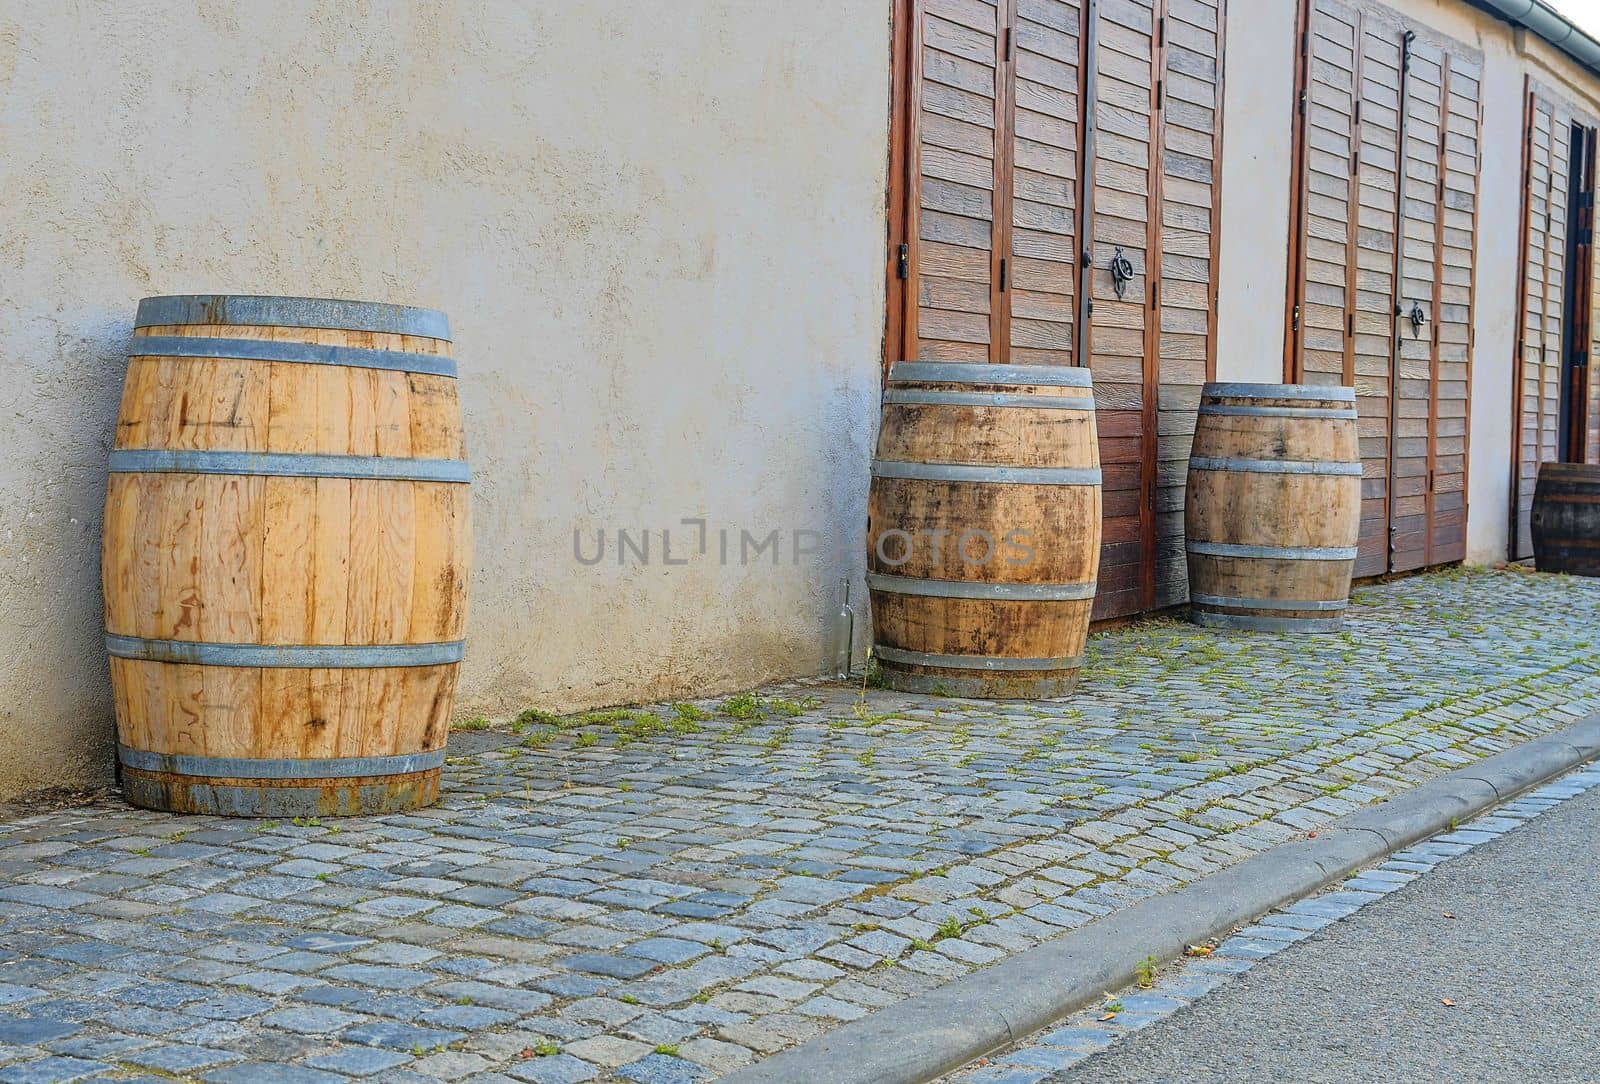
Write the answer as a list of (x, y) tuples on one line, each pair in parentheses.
[(1542, 19)]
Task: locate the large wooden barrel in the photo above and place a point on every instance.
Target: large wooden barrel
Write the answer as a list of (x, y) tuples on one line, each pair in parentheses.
[(1566, 519), (984, 528), (286, 555), (1273, 509)]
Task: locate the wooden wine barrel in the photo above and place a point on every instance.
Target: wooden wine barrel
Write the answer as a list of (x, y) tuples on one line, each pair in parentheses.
[(1566, 519), (1273, 509), (286, 555), (984, 528)]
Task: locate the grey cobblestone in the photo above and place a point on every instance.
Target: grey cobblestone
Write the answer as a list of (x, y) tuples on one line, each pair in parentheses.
[(687, 880)]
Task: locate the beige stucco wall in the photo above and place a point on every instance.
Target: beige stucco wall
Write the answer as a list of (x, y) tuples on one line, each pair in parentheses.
[(1257, 169), (656, 226), (1258, 147)]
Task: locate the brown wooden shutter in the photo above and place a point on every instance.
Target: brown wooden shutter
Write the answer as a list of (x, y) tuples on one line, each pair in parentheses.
[(1121, 334), (1372, 323), (956, 103), (1327, 220), (1043, 289), (1544, 266), (1342, 325), (1043, 141), (1415, 351), (1190, 137), (1591, 443), (1386, 223), (1459, 160)]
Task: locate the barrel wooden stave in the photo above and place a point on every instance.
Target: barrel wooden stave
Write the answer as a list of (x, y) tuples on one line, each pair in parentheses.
[(1043, 536), (255, 559), (1566, 519), (1273, 507)]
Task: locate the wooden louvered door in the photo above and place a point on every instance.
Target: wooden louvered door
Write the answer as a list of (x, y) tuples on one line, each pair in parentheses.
[(984, 261), (1037, 144), (1122, 331), (1588, 428), (948, 258), (1459, 167), (1342, 324), (1188, 180), (1046, 175), (1433, 340), (1385, 227), (1580, 426), (1546, 162), (1156, 94)]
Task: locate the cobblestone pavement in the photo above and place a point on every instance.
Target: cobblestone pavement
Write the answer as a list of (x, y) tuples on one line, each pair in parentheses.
[(663, 895)]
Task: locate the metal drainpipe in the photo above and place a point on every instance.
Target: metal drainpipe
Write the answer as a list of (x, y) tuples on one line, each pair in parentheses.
[(1555, 28)]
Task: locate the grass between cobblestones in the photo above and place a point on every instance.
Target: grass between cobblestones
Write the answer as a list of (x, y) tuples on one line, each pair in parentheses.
[(665, 893)]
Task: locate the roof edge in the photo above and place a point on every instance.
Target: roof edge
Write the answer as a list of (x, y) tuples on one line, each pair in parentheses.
[(1540, 18)]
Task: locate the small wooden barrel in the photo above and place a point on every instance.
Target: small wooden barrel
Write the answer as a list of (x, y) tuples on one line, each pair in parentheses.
[(286, 555), (984, 528), (1566, 519), (1273, 508)]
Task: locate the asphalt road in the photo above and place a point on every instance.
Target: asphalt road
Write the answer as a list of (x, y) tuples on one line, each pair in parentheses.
[(1361, 1000)]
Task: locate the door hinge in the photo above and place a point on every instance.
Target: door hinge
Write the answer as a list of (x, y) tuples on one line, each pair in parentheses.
[(1302, 104), (903, 262), (1159, 92), (1430, 479), (1150, 495), (1008, 43), (1003, 269), (1296, 325), (1155, 292), (1161, 30), (1350, 325)]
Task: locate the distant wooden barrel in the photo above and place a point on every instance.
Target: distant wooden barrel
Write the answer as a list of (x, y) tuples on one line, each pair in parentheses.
[(286, 554), (984, 528), (1273, 508), (1566, 519)]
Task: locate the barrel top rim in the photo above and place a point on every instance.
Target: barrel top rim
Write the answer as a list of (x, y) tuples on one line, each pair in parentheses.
[(1334, 393), (342, 314), (982, 372)]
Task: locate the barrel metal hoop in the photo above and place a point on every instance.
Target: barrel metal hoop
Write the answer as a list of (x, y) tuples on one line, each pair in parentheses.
[(1277, 553), (974, 662), (293, 657), (970, 472), (1227, 410), (318, 312), (899, 397), (1333, 393), (1010, 592), (1251, 623), (183, 346), (1274, 466), (387, 468), (956, 372), (143, 760), (1267, 603)]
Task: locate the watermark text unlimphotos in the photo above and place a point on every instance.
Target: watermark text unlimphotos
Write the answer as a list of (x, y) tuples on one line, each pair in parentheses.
[(695, 540)]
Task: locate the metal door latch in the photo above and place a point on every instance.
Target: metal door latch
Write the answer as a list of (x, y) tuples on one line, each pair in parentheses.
[(1121, 272), (1417, 317)]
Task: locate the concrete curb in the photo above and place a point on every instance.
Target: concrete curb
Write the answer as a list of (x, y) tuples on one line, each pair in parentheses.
[(918, 1039)]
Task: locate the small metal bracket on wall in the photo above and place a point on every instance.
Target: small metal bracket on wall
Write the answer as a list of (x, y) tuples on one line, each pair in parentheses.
[(1121, 272)]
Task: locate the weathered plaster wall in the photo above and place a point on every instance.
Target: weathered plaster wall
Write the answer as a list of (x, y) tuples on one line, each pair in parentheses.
[(1258, 147), (657, 228), (1257, 168)]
